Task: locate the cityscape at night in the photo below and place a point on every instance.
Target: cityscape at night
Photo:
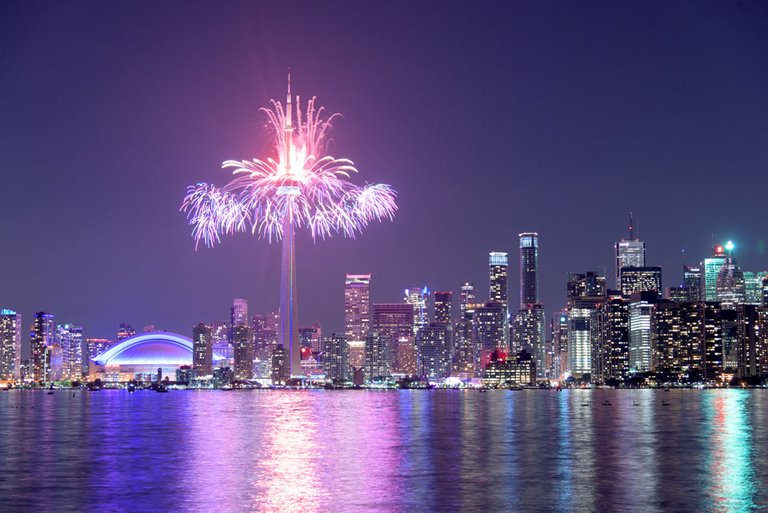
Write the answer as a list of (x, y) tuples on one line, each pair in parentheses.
[(413, 256)]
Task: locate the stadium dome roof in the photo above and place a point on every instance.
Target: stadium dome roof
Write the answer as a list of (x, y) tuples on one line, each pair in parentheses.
[(153, 348)]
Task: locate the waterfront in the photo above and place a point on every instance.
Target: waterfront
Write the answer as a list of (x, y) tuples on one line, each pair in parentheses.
[(438, 450)]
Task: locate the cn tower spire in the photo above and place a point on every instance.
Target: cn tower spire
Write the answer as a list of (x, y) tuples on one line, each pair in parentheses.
[(631, 227), (288, 124)]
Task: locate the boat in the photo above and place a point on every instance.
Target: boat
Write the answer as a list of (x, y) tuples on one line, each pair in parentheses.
[(131, 387)]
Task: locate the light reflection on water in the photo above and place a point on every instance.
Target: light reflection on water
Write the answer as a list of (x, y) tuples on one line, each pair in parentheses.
[(447, 450)]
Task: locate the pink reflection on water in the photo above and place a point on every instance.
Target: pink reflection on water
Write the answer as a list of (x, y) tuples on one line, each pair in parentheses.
[(285, 477)]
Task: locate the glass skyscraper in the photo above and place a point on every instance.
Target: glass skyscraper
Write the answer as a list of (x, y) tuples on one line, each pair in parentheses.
[(529, 278)]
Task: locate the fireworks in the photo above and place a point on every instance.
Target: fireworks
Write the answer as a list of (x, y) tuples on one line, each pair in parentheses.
[(301, 185)]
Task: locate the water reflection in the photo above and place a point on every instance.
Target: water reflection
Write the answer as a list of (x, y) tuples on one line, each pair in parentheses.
[(731, 475), (440, 450)]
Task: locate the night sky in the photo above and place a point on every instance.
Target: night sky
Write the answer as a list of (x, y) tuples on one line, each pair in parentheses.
[(488, 119)]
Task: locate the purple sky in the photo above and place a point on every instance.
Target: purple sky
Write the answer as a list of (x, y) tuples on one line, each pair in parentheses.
[(557, 117)]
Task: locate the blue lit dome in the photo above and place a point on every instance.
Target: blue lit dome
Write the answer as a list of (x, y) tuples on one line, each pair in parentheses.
[(153, 348)]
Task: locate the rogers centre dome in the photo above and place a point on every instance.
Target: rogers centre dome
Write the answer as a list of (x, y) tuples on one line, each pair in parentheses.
[(146, 352)]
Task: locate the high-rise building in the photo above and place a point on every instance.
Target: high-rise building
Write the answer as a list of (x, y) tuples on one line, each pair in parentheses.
[(443, 305), (465, 347), (692, 277), (498, 265), (640, 347), (528, 330), (378, 358), (529, 277), (467, 297), (434, 351), (10, 345), (585, 293), (357, 317), (393, 324), (243, 349), (202, 350), (753, 287), (712, 266), (611, 344), (93, 348), (124, 331), (629, 252), (640, 279), (311, 338), (730, 288), (335, 357), (419, 298), (42, 338), (240, 309), (491, 326), (713, 341), (69, 339), (280, 368), (221, 343), (559, 337)]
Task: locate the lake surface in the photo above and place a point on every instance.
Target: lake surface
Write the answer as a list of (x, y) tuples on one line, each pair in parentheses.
[(409, 451)]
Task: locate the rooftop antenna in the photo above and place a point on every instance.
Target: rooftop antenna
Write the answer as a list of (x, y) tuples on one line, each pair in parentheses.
[(631, 227)]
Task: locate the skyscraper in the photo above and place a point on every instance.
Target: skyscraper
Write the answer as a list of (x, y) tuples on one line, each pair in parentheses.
[(240, 310), (629, 252), (357, 319), (640, 349), (528, 331), (70, 342), (243, 349), (378, 358), (393, 324), (730, 288), (10, 344), (712, 266), (640, 279), (498, 264), (529, 262), (419, 298), (42, 338), (434, 351), (335, 357), (443, 306), (202, 350), (585, 293), (467, 296)]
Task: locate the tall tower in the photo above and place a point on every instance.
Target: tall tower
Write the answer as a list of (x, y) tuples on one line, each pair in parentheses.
[(498, 264), (712, 267), (529, 263), (419, 298), (443, 304), (10, 344), (357, 316), (202, 350), (289, 325), (240, 311), (629, 252), (467, 297), (41, 342)]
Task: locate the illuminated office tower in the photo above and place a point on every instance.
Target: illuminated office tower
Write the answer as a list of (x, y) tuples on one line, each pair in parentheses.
[(465, 347), (712, 266), (393, 323), (125, 331), (221, 343), (434, 352), (753, 354), (729, 328), (42, 337), (490, 322), (585, 293), (613, 340), (640, 279), (240, 309), (498, 265), (629, 252), (280, 369), (528, 334), (713, 341), (559, 335), (10, 345), (467, 297), (94, 347), (419, 298), (753, 287), (311, 337), (243, 349), (443, 306), (202, 350), (529, 269), (336, 357), (640, 348), (378, 359), (69, 339), (357, 316), (729, 286)]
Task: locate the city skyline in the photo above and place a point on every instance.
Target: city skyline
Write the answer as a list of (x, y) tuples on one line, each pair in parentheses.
[(126, 141)]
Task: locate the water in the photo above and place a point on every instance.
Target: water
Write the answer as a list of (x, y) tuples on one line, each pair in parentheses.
[(338, 451)]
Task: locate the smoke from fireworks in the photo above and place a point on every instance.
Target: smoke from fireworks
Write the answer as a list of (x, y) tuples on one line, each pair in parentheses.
[(301, 185)]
